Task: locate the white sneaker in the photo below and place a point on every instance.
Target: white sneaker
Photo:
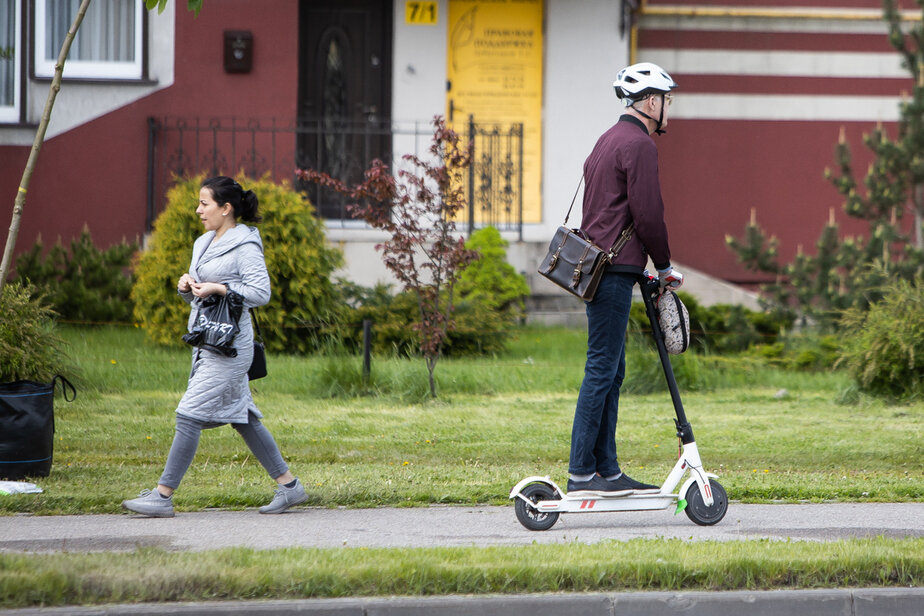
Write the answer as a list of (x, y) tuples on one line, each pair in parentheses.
[(285, 498), (151, 503)]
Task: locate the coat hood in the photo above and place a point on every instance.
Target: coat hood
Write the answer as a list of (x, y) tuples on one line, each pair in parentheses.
[(207, 247)]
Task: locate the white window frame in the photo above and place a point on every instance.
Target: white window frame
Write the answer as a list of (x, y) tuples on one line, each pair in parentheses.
[(87, 69), (12, 114)]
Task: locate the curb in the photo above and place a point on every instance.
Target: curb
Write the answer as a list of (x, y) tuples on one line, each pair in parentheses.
[(836, 602)]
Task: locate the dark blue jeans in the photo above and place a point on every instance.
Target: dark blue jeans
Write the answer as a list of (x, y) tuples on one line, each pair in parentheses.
[(593, 435)]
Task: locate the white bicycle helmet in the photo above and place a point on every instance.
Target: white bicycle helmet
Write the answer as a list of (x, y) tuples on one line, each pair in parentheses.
[(635, 82)]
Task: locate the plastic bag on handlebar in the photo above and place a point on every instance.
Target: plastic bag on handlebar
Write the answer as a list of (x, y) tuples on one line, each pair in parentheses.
[(674, 322)]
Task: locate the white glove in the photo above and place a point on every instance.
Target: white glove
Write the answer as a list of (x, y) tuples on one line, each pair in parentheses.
[(670, 278)]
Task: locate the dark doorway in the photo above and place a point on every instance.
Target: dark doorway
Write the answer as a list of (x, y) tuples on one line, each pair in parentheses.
[(344, 92)]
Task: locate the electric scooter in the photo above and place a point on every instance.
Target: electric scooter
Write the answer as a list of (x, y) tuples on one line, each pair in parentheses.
[(539, 501)]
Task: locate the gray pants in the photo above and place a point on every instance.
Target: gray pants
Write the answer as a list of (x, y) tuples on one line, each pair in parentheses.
[(186, 441)]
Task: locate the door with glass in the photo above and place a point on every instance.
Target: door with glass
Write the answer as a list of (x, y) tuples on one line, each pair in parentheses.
[(344, 92)]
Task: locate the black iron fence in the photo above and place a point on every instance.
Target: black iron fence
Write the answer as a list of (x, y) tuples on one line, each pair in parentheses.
[(495, 179), (179, 147)]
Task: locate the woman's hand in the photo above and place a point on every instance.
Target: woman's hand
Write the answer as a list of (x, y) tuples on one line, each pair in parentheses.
[(185, 283), (204, 289)]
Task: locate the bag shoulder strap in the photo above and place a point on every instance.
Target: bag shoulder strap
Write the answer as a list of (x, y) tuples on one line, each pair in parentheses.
[(256, 323), (573, 199), (621, 241), (624, 236)]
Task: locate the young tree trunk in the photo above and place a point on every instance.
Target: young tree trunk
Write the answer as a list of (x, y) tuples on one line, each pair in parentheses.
[(431, 366), (20, 200), (919, 216)]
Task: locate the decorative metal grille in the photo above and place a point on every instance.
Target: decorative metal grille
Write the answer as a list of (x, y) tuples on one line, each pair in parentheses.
[(179, 147)]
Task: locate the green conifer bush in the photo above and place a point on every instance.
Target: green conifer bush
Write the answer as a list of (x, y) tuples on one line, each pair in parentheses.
[(490, 280), (82, 283), (884, 350), (30, 349)]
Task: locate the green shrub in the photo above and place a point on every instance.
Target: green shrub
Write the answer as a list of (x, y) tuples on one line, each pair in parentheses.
[(88, 284), (638, 320), (884, 346), (490, 280), (489, 298), (30, 349), (720, 328), (477, 329), (298, 259), (799, 352)]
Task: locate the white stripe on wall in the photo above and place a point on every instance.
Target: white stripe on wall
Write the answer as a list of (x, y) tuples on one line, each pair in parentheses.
[(790, 108), (875, 25), (776, 63)]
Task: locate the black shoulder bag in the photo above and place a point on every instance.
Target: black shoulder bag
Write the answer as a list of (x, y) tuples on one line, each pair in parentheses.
[(258, 365)]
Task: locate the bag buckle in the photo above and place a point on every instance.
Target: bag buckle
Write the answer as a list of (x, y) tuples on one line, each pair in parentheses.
[(576, 276)]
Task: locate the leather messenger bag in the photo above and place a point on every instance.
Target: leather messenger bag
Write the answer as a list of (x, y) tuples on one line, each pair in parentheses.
[(576, 264)]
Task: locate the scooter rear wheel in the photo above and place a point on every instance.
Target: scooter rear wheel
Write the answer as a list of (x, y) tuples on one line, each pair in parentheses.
[(530, 517), (697, 510)]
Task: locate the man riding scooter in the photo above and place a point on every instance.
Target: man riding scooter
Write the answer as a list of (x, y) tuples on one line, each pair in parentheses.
[(622, 187)]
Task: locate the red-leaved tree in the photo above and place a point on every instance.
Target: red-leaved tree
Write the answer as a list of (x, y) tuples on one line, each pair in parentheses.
[(418, 210)]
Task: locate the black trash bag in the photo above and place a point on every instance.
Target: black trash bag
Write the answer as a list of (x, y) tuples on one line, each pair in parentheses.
[(27, 427), (217, 323)]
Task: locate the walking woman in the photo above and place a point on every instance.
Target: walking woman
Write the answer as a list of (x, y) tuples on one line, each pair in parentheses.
[(227, 258)]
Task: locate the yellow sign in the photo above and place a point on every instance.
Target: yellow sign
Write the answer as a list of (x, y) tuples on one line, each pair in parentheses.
[(420, 13), (495, 75)]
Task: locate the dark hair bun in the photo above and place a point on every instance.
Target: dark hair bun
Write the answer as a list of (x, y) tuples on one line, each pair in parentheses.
[(250, 207)]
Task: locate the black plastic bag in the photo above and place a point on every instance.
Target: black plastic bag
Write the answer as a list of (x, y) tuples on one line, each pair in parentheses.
[(217, 323), (27, 427)]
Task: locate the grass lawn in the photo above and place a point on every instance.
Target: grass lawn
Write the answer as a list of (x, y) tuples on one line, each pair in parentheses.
[(498, 420), (643, 564), (770, 435)]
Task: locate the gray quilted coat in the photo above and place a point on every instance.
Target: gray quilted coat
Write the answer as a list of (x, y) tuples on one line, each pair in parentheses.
[(218, 389)]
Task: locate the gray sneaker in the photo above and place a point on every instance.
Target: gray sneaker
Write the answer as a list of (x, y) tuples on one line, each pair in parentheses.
[(285, 498), (151, 504)]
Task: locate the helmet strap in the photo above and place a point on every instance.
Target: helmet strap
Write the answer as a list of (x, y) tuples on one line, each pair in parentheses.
[(659, 121)]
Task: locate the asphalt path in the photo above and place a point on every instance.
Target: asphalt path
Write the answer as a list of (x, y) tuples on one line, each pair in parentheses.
[(444, 526)]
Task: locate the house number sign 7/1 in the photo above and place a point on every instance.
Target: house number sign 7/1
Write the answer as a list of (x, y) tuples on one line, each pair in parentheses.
[(420, 13)]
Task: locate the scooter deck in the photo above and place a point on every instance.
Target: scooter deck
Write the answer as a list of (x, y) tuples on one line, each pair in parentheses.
[(588, 504)]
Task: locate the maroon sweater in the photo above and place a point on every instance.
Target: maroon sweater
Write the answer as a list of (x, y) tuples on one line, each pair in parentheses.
[(621, 184)]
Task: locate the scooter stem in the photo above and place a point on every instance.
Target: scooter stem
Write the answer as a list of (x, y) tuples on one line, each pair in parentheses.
[(649, 289)]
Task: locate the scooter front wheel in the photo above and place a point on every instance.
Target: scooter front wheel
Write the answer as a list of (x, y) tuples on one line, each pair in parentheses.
[(697, 510), (530, 517)]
